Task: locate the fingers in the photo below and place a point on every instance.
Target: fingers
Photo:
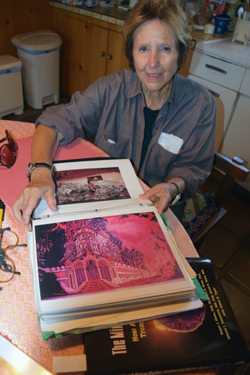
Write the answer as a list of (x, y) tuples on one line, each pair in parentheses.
[(29, 199), (149, 193), (159, 194), (162, 205), (51, 200), (24, 206), (17, 211)]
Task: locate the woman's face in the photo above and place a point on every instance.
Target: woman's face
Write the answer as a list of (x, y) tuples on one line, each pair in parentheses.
[(155, 54)]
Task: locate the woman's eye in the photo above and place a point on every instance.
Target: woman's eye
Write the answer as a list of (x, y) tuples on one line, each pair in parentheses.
[(166, 49), (143, 49)]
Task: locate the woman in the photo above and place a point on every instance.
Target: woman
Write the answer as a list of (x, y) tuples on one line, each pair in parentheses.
[(163, 122)]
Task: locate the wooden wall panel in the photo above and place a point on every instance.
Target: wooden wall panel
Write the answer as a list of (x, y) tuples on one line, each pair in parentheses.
[(81, 55), (185, 69), (57, 27), (118, 59), (21, 16)]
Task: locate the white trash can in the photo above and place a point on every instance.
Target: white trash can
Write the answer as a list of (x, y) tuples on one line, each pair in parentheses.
[(11, 89), (39, 53)]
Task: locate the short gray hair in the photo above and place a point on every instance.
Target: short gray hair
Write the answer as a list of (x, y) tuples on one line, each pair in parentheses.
[(167, 11)]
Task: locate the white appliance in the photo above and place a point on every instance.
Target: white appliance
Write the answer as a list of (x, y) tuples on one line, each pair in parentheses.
[(223, 67), (11, 91)]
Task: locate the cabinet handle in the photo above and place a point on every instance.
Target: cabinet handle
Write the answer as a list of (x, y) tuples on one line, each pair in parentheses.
[(216, 69), (109, 57), (214, 93), (102, 54), (238, 160)]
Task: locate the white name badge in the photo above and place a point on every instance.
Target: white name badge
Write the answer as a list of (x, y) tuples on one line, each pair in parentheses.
[(170, 142)]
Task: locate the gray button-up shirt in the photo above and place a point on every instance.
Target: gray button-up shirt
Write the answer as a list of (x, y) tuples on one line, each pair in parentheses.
[(112, 109)]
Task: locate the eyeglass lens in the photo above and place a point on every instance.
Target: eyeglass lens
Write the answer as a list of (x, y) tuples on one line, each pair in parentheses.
[(8, 150)]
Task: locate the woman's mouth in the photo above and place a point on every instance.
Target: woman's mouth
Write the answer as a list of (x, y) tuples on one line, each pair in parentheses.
[(154, 75)]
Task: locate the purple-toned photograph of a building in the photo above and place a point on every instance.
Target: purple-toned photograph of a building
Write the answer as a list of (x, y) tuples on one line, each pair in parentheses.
[(100, 254)]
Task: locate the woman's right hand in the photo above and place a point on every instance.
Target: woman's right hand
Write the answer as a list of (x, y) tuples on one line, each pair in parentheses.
[(44, 146), (40, 187)]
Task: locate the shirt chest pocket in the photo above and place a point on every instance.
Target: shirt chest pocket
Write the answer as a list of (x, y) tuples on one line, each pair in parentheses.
[(115, 149), (158, 163)]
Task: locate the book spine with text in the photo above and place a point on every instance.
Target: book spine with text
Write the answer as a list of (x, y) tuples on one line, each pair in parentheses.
[(205, 337)]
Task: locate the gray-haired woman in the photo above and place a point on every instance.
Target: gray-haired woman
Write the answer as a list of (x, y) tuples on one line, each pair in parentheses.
[(163, 122)]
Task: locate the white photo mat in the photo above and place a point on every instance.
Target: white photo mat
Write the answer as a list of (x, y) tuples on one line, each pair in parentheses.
[(105, 321), (124, 294), (127, 173)]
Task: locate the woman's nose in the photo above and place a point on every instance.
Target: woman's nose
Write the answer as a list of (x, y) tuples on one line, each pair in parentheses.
[(153, 59)]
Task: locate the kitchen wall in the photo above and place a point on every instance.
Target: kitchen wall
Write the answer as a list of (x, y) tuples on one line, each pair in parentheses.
[(20, 16)]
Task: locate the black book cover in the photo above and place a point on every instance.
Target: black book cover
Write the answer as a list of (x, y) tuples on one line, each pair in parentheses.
[(208, 336)]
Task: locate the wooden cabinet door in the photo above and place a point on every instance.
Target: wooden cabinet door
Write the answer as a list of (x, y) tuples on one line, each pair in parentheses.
[(84, 56), (57, 21), (116, 58), (185, 69)]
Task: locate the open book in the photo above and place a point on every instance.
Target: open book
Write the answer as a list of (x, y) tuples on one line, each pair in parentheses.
[(105, 257)]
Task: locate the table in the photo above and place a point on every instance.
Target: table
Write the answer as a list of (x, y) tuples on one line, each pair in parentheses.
[(18, 318)]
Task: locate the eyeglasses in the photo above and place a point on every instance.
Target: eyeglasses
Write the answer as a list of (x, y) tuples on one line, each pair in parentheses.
[(8, 151), (7, 264)]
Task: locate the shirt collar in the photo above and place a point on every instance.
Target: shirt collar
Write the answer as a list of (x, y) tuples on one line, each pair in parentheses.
[(133, 85), (133, 88), (173, 97)]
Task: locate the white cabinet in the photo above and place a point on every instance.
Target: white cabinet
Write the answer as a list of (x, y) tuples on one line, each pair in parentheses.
[(225, 100), (223, 79), (215, 70), (245, 86), (223, 67), (237, 138)]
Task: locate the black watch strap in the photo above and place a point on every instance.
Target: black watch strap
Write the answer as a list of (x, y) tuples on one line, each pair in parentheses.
[(33, 166)]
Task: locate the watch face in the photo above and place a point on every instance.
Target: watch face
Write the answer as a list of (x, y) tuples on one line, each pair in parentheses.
[(176, 199), (33, 166)]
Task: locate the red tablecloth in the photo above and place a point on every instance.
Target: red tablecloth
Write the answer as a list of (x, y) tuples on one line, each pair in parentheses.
[(18, 318)]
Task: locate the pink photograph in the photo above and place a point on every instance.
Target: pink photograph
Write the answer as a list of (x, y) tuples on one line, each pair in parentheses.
[(102, 254)]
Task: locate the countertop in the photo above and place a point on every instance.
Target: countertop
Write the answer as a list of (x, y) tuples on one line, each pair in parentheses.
[(117, 16), (224, 48)]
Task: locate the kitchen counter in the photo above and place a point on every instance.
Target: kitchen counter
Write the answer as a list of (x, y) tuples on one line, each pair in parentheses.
[(224, 48), (117, 16), (198, 35), (112, 15)]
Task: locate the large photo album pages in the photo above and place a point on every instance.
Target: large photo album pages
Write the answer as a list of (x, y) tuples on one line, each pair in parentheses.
[(105, 251)]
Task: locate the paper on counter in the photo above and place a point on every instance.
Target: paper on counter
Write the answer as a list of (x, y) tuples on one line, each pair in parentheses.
[(72, 363)]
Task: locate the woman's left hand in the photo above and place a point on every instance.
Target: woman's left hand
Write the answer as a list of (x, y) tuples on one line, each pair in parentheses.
[(161, 195)]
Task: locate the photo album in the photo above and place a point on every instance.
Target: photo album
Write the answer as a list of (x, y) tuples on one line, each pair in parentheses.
[(105, 257)]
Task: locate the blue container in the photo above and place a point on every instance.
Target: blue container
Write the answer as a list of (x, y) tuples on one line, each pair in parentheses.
[(222, 22)]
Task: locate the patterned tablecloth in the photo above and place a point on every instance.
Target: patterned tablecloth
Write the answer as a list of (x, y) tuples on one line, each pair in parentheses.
[(18, 318)]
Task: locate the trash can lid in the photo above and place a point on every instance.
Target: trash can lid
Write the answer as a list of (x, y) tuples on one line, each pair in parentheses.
[(41, 40), (7, 62)]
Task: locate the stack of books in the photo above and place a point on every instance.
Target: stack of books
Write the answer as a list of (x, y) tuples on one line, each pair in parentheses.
[(190, 341), (106, 257)]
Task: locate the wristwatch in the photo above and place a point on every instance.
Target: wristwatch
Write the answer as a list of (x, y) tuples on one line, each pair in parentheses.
[(33, 166), (178, 195)]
